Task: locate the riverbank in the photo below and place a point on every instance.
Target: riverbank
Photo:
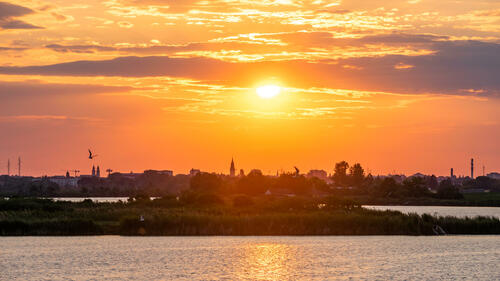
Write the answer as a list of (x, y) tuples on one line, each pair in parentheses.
[(169, 216)]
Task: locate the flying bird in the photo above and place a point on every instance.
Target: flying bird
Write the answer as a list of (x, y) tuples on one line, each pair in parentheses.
[(91, 156)]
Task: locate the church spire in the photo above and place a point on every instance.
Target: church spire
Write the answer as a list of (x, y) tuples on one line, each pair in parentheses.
[(232, 170)]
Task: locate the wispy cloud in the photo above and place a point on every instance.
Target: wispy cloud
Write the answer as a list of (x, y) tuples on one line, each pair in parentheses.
[(9, 14)]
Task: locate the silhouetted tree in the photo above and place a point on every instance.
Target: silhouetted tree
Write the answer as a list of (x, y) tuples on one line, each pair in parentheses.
[(253, 184), (206, 182), (357, 174), (416, 187), (447, 190), (293, 183), (388, 188), (432, 182), (369, 180), (482, 182), (318, 184), (340, 175)]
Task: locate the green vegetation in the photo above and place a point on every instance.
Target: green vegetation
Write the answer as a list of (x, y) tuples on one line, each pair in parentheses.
[(209, 214)]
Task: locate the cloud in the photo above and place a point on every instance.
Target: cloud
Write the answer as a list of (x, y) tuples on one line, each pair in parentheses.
[(79, 48), (403, 66), (274, 46), (455, 66), (125, 24), (61, 17), (402, 38), (34, 88), (9, 13), (15, 118), (159, 49), (12, 49)]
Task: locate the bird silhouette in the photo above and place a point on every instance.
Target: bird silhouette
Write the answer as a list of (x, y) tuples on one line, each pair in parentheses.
[(91, 156)]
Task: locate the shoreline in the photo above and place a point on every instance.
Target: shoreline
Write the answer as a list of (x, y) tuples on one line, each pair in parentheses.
[(39, 217), (417, 202)]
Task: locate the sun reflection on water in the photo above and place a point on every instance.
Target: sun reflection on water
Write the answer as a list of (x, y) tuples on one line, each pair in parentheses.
[(268, 261)]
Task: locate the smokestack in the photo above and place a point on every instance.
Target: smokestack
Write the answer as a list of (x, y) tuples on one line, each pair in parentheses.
[(472, 168)]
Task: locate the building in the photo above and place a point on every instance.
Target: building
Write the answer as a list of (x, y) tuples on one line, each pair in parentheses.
[(194, 172), (417, 175), (130, 175), (320, 174), (159, 172), (98, 172), (232, 169), (494, 175), (63, 181)]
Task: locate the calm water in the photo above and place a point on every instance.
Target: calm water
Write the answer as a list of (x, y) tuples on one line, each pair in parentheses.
[(95, 199), (250, 258), (444, 210)]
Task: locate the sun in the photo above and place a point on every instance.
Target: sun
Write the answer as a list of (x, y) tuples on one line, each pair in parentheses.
[(268, 91)]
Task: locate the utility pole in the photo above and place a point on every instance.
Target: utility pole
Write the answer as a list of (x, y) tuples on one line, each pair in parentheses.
[(472, 168)]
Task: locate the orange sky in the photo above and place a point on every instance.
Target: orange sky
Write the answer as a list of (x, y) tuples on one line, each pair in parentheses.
[(399, 86)]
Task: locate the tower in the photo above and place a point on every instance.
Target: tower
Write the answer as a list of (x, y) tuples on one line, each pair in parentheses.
[(98, 173), (19, 166), (8, 167), (232, 170), (451, 173), (472, 168), (93, 170)]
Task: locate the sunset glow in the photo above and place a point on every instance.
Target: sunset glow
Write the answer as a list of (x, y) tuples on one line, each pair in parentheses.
[(399, 86), (268, 91), (300, 139)]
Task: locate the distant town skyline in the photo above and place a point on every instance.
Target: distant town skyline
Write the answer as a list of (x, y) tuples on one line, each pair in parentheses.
[(90, 170)]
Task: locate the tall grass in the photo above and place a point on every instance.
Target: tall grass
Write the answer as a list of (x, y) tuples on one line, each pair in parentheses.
[(44, 217)]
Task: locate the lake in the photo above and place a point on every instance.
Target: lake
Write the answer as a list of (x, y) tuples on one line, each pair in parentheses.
[(456, 211), (251, 258)]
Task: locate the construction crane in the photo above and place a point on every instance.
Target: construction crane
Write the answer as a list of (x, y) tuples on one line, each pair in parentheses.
[(297, 171)]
